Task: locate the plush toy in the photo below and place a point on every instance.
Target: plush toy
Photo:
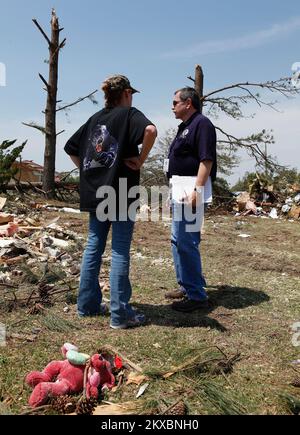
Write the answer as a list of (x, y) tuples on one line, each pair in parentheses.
[(99, 375), (66, 377)]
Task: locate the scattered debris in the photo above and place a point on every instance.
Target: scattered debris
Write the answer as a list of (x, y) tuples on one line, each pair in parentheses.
[(262, 200), (136, 378), (210, 360), (5, 218), (273, 213), (126, 408), (142, 390), (2, 202), (22, 337), (69, 210), (294, 212), (9, 229), (29, 243)]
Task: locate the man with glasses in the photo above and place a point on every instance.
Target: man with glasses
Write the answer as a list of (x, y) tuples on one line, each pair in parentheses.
[(191, 154)]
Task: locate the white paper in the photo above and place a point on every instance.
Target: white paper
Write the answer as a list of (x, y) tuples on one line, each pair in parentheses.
[(181, 187)]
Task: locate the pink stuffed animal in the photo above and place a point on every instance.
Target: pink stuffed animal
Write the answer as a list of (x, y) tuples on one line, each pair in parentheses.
[(99, 375), (63, 377)]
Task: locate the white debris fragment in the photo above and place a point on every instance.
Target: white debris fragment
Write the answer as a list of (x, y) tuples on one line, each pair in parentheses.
[(5, 278), (54, 242), (6, 243), (142, 390), (139, 255), (69, 210), (51, 252), (244, 236), (273, 213)]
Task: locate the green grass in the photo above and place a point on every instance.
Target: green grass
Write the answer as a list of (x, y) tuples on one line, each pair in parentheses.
[(253, 285)]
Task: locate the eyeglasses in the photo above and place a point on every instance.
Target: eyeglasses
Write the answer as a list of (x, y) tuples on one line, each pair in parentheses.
[(177, 102)]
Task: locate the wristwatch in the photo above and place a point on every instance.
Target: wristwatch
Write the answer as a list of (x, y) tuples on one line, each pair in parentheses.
[(198, 189)]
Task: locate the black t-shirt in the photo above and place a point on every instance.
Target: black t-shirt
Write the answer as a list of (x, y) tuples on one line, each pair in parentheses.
[(102, 144), (195, 141)]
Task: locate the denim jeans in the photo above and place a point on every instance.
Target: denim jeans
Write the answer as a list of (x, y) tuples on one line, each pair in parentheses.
[(186, 254), (90, 296)]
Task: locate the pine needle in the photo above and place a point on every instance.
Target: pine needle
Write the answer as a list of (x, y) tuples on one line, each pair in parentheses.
[(55, 323), (221, 400)]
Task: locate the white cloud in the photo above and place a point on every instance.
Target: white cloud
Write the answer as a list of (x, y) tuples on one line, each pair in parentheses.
[(251, 40)]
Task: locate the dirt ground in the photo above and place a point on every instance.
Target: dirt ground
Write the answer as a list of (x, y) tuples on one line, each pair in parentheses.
[(253, 288)]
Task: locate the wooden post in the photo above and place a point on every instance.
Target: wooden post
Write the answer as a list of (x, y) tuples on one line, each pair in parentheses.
[(199, 80), (50, 112)]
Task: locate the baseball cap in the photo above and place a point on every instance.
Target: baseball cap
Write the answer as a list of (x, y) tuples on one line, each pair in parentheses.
[(120, 83)]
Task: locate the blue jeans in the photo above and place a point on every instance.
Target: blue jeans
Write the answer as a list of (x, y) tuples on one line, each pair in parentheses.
[(90, 296), (186, 255)]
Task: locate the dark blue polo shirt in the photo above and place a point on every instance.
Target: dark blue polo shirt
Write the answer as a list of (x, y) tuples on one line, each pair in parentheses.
[(195, 141)]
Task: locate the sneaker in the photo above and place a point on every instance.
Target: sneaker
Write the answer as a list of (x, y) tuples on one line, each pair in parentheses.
[(134, 322), (177, 293), (189, 305)]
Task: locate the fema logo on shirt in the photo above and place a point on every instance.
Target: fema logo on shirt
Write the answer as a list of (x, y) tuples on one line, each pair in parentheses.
[(295, 80), (184, 133)]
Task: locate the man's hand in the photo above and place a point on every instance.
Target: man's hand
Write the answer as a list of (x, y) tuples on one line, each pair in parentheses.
[(191, 199), (134, 163)]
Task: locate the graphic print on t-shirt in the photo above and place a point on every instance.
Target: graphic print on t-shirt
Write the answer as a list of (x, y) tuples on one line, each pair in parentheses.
[(102, 149)]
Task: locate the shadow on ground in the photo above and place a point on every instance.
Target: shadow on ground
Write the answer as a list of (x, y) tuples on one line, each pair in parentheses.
[(234, 298), (226, 296)]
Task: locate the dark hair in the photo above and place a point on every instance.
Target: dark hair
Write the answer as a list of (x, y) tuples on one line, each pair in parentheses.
[(112, 96), (191, 93)]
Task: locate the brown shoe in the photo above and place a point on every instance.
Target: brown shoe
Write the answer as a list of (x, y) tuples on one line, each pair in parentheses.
[(177, 293)]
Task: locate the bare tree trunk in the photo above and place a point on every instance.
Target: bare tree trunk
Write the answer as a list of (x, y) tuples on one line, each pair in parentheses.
[(199, 79), (51, 87), (50, 112)]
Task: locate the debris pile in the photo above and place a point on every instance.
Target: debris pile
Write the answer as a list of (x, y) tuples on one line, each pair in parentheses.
[(36, 250), (263, 201)]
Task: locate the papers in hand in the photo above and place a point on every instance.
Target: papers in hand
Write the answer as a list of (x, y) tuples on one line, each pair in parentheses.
[(181, 187)]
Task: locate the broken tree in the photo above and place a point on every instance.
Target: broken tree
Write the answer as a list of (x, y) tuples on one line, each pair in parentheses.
[(51, 87), (230, 103)]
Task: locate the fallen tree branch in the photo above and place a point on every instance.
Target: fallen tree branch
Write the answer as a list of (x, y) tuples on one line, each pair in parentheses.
[(76, 102)]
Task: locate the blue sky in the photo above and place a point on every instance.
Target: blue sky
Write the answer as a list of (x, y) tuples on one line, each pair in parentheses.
[(157, 45)]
